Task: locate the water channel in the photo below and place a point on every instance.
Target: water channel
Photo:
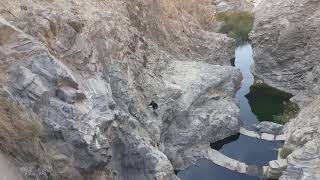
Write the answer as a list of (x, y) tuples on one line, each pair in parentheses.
[(246, 149)]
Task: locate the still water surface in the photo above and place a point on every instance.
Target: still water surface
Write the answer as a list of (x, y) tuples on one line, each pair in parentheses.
[(249, 150)]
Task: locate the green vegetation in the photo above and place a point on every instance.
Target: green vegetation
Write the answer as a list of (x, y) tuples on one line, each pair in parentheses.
[(270, 104), (285, 152), (19, 136), (237, 24), (289, 112)]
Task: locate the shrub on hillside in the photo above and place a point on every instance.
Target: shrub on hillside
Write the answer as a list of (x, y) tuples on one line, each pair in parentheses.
[(20, 138), (237, 24), (285, 152)]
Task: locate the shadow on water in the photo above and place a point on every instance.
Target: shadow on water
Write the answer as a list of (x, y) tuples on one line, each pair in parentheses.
[(251, 151), (244, 61), (219, 144), (206, 170)]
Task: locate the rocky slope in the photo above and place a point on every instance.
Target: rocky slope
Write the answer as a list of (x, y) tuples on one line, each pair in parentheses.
[(285, 38), (87, 70)]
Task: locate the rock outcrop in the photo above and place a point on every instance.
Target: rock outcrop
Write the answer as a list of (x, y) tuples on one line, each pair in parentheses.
[(88, 70), (285, 38), (268, 127)]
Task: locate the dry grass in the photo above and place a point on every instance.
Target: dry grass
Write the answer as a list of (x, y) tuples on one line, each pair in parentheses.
[(18, 137)]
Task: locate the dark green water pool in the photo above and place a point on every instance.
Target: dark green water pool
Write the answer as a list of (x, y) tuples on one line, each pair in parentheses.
[(269, 104)]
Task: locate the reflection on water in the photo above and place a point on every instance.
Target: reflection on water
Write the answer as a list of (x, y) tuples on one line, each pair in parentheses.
[(268, 103), (244, 61), (248, 150), (251, 150), (206, 170)]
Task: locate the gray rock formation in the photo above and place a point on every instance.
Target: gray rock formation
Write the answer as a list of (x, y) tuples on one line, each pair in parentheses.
[(304, 162), (268, 127), (304, 137), (275, 168), (285, 38), (207, 110), (88, 71)]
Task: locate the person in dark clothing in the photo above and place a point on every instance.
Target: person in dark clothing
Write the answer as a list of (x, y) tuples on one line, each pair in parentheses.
[(154, 105)]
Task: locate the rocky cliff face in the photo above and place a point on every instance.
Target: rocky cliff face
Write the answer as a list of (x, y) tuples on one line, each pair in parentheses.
[(88, 70), (285, 38)]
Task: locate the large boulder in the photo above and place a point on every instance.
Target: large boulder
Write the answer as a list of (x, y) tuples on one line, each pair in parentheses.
[(207, 111)]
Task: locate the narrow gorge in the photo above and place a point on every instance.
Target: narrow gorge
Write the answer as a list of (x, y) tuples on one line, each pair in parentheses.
[(144, 90), (256, 144)]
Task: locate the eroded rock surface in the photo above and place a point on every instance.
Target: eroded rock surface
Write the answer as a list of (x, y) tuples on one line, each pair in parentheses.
[(89, 69), (285, 38), (268, 127)]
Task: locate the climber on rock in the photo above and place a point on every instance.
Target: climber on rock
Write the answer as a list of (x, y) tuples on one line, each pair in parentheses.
[(154, 106)]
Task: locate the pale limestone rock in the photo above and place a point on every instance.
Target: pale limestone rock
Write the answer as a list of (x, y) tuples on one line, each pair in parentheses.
[(207, 112), (275, 168), (268, 127)]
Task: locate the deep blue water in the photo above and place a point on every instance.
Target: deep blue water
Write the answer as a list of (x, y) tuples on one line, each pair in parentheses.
[(206, 170), (249, 150)]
